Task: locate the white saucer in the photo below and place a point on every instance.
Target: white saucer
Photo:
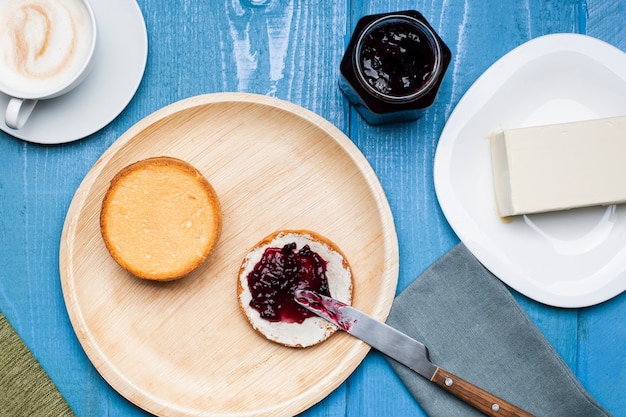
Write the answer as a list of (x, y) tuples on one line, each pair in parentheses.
[(572, 258), (120, 60)]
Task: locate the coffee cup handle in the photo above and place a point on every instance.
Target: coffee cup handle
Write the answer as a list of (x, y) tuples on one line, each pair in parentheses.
[(18, 111)]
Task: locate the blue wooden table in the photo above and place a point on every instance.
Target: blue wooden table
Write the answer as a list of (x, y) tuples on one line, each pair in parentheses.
[(291, 50)]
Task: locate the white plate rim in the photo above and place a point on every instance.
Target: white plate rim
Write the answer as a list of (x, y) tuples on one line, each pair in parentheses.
[(465, 224)]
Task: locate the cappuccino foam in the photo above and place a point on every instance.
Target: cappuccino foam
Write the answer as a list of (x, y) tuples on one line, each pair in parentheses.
[(44, 44)]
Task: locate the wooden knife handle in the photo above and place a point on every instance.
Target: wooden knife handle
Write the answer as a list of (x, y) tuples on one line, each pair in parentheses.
[(478, 398)]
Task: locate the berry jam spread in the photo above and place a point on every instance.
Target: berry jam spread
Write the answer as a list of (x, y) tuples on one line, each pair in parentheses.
[(279, 273), (396, 58)]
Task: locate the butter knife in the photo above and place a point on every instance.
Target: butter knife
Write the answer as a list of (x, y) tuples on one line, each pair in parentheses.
[(405, 350)]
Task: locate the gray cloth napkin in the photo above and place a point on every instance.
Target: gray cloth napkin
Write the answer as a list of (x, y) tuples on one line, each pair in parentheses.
[(474, 328), (25, 388)]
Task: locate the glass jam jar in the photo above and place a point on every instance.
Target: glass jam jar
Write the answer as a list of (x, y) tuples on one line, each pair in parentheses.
[(393, 67)]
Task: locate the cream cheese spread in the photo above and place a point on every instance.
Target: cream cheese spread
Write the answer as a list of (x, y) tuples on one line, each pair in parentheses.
[(560, 166)]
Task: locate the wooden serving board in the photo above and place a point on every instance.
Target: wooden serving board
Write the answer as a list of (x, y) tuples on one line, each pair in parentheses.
[(183, 348)]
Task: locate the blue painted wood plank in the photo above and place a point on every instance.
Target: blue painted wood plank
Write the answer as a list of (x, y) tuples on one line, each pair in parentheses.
[(602, 353), (605, 20), (292, 51), (602, 328)]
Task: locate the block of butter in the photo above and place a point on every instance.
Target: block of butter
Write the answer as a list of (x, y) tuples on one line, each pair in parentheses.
[(560, 166)]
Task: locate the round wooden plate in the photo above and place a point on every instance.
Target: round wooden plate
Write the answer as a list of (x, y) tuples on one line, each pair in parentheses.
[(183, 348)]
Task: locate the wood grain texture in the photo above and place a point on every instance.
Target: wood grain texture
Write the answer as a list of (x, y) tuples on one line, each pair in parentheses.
[(483, 401), (183, 348), (601, 331), (194, 49)]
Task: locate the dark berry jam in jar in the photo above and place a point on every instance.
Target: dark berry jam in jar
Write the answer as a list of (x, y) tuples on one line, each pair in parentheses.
[(393, 67)]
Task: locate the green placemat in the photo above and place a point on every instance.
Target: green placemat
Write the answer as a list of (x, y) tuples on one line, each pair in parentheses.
[(25, 388)]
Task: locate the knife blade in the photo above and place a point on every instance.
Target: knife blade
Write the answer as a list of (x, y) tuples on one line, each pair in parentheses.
[(405, 350)]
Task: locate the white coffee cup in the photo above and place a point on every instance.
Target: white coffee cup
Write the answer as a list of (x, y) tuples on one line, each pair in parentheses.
[(46, 50)]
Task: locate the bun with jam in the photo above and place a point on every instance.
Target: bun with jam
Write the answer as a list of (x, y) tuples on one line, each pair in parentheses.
[(277, 266)]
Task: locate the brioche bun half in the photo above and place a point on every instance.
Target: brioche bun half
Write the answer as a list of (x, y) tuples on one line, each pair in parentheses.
[(160, 218), (312, 330)]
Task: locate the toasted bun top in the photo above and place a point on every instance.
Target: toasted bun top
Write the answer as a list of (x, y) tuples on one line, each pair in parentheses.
[(314, 329), (160, 218)]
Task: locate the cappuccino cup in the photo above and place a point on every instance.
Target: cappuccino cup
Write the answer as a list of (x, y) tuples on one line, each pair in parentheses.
[(46, 50)]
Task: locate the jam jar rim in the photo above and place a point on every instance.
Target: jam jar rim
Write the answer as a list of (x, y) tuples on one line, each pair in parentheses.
[(432, 38)]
